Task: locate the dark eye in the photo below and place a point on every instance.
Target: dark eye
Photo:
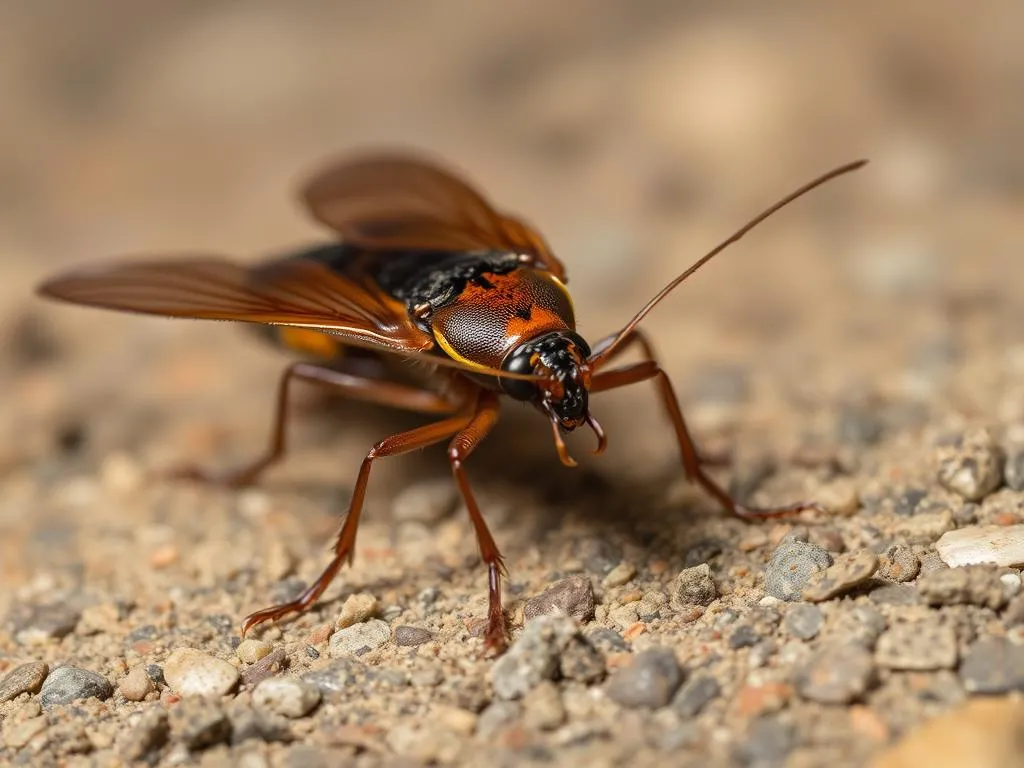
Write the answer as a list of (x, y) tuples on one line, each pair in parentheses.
[(519, 362)]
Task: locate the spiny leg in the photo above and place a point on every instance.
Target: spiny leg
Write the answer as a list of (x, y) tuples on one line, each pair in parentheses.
[(369, 390), (395, 445), (692, 465), (461, 446)]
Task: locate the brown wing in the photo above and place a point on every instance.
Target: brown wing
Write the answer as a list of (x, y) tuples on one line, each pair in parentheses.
[(402, 202), (296, 292)]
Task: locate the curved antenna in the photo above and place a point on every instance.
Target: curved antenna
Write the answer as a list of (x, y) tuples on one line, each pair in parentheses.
[(607, 350)]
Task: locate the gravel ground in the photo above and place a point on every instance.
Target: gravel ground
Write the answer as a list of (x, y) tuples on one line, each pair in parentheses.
[(865, 350)]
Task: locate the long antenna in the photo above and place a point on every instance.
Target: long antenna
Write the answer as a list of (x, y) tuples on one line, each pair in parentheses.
[(607, 350)]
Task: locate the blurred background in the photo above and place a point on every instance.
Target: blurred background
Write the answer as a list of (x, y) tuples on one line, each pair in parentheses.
[(635, 135)]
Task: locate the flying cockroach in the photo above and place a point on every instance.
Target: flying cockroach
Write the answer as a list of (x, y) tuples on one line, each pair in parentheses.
[(424, 269)]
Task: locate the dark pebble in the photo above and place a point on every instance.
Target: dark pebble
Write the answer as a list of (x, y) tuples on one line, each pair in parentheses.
[(993, 665), (703, 551), (804, 621), (649, 682), (573, 596), (791, 566), (744, 636), (269, 665), (694, 586), (52, 622), (155, 673), (1013, 469), (606, 639), (26, 678), (199, 723), (906, 503), (696, 693), (768, 742), (312, 652), (835, 674), (148, 735), (599, 556), (411, 636), (67, 684), (145, 632)]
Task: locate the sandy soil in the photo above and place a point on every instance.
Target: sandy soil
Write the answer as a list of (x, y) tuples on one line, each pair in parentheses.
[(866, 349)]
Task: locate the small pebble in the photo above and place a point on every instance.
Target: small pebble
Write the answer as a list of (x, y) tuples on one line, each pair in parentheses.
[(651, 604), (136, 685), (357, 608), (970, 585), (980, 733), (533, 657), (426, 502), (407, 636), (695, 694), (269, 665), (337, 678), (619, 575), (67, 684), (744, 636), (791, 566), (1013, 469), (46, 622), (250, 651), (839, 497), (995, 545), (199, 723), (573, 596), (845, 574), (26, 678), (189, 672), (971, 466), (862, 625), (648, 682), (839, 673), (917, 645), (496, 716), (769, 741), (899, 564), (359, 639), (287, 696), (694, 586), (148, 734), (804, 621), (625, 616), (993, 666)]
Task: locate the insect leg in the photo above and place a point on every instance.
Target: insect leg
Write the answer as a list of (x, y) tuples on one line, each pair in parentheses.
[(358, 387), (649, 369), (459, 449), (344, 547)]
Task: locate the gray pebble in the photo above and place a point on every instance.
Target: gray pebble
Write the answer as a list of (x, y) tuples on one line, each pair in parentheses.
[(286, 696), (337, 678), (605, 639), (993, 665), (899, 564), (581, 661), (804, 621), (696, 693), (46, 622), (651, 604), (573, 596), (967, 585), (835, 674), (1013, 469), (971, 465), (918, 645), (199, 723), (67, 684), (790, 567), (359, 639), (744, 636), (847, 573), (149, 734), (407, 636), (648, 682), (248, 723), (862, 625), (768, 742), (896, 594), (694, 586), (533, 657), (269, 665), (26, 678), (496, 716)]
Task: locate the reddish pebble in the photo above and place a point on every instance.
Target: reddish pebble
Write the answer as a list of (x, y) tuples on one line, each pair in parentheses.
[(635, 631), (755, 700)]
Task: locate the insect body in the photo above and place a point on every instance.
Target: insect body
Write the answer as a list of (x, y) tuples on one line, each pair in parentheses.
[(425, 269)]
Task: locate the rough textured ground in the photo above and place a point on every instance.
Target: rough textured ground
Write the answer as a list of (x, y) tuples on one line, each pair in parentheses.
[(865, 349)]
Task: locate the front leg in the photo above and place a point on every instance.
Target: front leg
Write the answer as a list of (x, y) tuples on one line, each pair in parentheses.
[(693, 465)]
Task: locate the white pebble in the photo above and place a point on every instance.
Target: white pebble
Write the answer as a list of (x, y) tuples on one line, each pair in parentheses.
[(189, 672), (250, 651), (994, 544), (286, 696), (359, 638)]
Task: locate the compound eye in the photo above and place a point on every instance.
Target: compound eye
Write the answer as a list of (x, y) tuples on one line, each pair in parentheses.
[(519, 362)]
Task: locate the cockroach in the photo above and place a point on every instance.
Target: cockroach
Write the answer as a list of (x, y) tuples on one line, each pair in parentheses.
[(424, 268)]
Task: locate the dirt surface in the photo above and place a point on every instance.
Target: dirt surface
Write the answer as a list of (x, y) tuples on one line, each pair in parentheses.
[(865, 349)]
